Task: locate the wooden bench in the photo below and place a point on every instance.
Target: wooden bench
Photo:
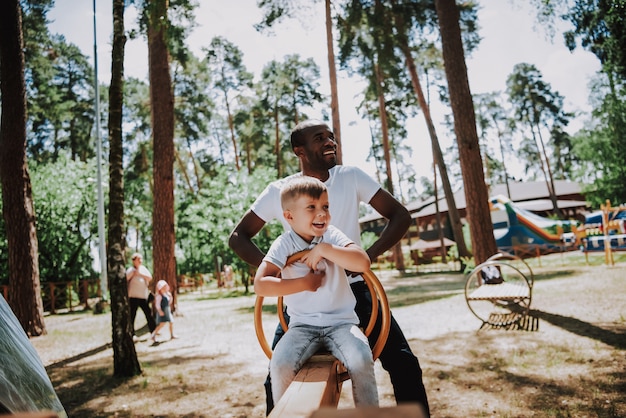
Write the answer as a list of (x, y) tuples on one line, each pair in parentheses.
[(500, 291), (507, 299)]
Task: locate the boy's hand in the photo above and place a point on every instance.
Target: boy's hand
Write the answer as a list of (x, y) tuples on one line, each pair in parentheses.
[(314, 280), (314, 256)]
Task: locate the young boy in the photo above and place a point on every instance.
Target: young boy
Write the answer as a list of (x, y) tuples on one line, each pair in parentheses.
[(316, 291)]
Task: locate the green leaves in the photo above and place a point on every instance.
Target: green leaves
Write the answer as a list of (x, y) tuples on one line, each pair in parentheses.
[(65, 205)]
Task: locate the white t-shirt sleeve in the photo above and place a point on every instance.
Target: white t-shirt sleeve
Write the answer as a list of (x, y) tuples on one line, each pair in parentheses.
[(336, 237), (266, 204), (367, 187), (278, 252)]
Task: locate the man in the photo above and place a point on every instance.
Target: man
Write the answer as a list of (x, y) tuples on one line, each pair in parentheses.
[(138, 278), (314, 144)]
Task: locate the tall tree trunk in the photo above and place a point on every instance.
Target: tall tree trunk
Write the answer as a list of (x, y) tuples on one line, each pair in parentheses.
[(162, 106), (17, 198), (547, 171), (476, 196), (506, 172), (453, 212), (277, 143), (397, 249), (183, 169), (332, 71), (125, 362), (231, 128)]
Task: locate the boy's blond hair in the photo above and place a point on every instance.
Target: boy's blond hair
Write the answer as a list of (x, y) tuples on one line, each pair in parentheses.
[(299, 186)]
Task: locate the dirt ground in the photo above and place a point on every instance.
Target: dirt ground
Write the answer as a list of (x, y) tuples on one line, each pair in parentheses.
[(573, 365)]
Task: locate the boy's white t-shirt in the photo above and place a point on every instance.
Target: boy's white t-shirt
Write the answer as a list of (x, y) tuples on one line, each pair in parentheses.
[(333, 302), (347, 187)]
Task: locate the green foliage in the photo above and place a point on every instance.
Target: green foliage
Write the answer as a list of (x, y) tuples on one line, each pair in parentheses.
[(205, 222), (599, 26), (540, 109), (60, 101), (288, 88), (367, 239), (601, 146), (180, 22), (65, 206)]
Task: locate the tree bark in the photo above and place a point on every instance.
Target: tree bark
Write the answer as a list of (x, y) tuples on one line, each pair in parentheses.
[(162, 112), (476, 196), (17, 198), (397, 249), (453, 213), (125, 362)]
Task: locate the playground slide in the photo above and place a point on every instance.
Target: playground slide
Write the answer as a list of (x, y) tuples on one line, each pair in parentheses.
[(514, 226)]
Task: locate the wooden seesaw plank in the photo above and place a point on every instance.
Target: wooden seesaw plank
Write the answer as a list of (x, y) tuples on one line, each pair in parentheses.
[(317, 384)]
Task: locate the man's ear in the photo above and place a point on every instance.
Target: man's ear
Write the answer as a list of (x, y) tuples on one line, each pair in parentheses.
[(298, 151)]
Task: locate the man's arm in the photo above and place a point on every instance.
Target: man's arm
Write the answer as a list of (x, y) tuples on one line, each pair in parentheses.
[(240, 240), (398, 223)]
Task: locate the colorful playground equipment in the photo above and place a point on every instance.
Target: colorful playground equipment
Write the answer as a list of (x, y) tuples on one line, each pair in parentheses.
[(603, 231), (525, 234)]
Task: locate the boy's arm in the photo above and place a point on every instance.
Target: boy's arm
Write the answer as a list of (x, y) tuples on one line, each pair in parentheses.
[(267, 282), (351, 257)]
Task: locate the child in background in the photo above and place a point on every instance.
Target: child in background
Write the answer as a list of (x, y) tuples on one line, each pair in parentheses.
[(162, 303)]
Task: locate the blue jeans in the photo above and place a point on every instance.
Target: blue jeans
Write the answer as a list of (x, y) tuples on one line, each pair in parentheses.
[(345, 341), (397, 358)]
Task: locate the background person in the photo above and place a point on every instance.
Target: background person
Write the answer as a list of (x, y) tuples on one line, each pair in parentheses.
[(138, 278), (163, 302)]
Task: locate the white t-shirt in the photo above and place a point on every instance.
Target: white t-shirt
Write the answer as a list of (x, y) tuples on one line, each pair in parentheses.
[(347, 187), (333, 302), (137, 286)]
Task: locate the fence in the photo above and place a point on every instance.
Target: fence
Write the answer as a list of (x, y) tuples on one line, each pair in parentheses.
[(58, 296)]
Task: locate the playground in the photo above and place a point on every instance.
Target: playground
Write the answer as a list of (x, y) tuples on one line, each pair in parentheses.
[(572, 365)]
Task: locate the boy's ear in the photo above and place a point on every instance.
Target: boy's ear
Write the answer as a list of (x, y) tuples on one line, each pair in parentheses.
[(287, 215)]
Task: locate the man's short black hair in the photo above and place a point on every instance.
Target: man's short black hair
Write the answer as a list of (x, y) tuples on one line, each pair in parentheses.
[(297, 139)]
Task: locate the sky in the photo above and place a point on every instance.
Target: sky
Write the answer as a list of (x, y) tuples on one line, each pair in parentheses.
[(508, 31)]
